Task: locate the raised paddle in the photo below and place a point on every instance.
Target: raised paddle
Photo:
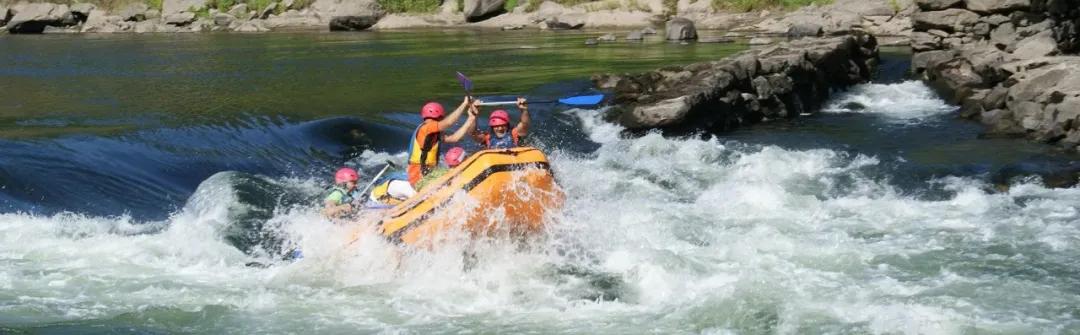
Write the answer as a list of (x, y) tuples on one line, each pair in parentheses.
[(367, 188), (581, 100), (465, 82)]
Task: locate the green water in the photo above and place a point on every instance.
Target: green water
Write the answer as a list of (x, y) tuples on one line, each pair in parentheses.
[(106, 83)]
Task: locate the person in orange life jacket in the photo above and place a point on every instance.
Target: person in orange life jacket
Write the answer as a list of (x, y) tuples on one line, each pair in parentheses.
[(339, 202), (453, 158), (425, 141), (501, 135)]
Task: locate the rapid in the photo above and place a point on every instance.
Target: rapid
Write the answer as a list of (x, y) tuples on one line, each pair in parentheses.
[(882, 214)]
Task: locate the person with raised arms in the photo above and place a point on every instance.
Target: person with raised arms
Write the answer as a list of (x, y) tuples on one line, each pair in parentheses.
[(501, 135), (425, 141)]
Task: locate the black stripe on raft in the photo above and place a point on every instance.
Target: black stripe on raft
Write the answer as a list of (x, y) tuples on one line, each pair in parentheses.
[(396, 236)]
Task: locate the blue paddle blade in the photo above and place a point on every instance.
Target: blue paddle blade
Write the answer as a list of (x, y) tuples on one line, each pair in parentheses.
[(465, 82), (583, 100)]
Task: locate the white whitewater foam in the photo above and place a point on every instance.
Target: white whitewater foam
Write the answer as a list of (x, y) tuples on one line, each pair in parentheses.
[(904, 102)]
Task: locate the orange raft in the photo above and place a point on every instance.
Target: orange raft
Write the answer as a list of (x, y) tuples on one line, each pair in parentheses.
[(508, 191)]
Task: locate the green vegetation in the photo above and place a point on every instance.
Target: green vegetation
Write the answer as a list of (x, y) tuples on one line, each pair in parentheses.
[(409, 6), (895, 5), (749, 5), (510, 5)]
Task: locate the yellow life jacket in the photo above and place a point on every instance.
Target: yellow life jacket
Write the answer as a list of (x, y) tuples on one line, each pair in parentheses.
[(381, 194), (425, 151)]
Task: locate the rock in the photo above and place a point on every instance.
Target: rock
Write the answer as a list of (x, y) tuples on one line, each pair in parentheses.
[(96, 21), (5, 14), (352, 23), (134, 12), (921, 41), (864, 7), (679, 29), (1038, 45), (81, 11), (924, 60), (177, 6), (805, 29), (955, 80), (1004, 36), (267, 11), (146, 26), (937, 4), (996, 6), (33, 18), (292, 19), (564, 23), (744, 88), (513, 27), (981, 29), (717, 40), (634, 36), (950, 20), (251, 27), (479, 10), (179, 19), (591, 41), (333, 8), (648, 31), (288, 4), (995, 20), (760, 41), (239, 11), (223, 20), (606, 38), (59, 30)]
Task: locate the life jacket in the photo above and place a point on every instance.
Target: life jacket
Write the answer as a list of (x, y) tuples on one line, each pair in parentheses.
[(507, 141), (346, 197), (425, 151)]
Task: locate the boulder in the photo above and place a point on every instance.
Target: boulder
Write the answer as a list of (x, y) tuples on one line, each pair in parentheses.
[(606, 38), (995, 20), (634, 36), (81, 11), (268, 10), (680, 29), (176, 6), (563, 23), (351, 23), (513, 27), (921, 41), (251, 27), (96, 21), (179, 19), (864, 7), (33, 18), (239, 11), (951, 20), (134, 12), (479, 10), (223, 20), (145, 26), (333, 8), (1038, 45), (805, 29), (937, 4), (924, 60), (996, 6), (5, 14), (1004, 36), (648, 31)]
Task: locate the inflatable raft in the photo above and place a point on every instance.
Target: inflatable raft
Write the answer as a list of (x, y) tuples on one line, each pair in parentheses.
[(491, 192)]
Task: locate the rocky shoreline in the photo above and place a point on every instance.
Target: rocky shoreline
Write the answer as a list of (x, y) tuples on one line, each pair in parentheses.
[(878, 17), (781, 81), (1010, 64)]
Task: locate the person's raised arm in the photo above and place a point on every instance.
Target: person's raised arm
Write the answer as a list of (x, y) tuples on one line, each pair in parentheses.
[(451, 119), (523, 126), (470, 124)]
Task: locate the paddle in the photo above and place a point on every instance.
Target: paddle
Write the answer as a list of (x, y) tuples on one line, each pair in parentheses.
[(580, 100), (465, 82), (367, 188)]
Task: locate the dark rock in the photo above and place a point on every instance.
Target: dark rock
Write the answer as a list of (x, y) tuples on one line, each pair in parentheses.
[(805, 30), (223, 19), (982, 29), (937, 4), (351, 23), (563, 23), (679, 29), (479, 10), (774, 82), (81, 11), (955, 80), (950, 20), (267, 11)]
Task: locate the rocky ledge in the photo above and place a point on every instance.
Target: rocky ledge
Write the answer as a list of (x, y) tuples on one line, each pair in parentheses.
[(1010, 64), (781, 81)]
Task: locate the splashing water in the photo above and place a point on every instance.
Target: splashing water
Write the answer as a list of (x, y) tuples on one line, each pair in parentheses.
[(906, 102), (658, 235)]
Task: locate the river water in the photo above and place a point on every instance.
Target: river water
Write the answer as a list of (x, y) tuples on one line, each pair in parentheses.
[(141, 175)]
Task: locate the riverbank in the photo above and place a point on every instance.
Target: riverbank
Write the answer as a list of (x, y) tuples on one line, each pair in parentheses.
[(878, 17)]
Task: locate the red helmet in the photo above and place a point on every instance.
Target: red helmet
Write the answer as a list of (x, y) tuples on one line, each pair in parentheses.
[(498, 118), (432, 110), (345, 174), (454, 156)]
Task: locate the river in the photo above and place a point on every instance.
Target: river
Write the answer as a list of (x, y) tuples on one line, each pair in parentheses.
[(141, 175)]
